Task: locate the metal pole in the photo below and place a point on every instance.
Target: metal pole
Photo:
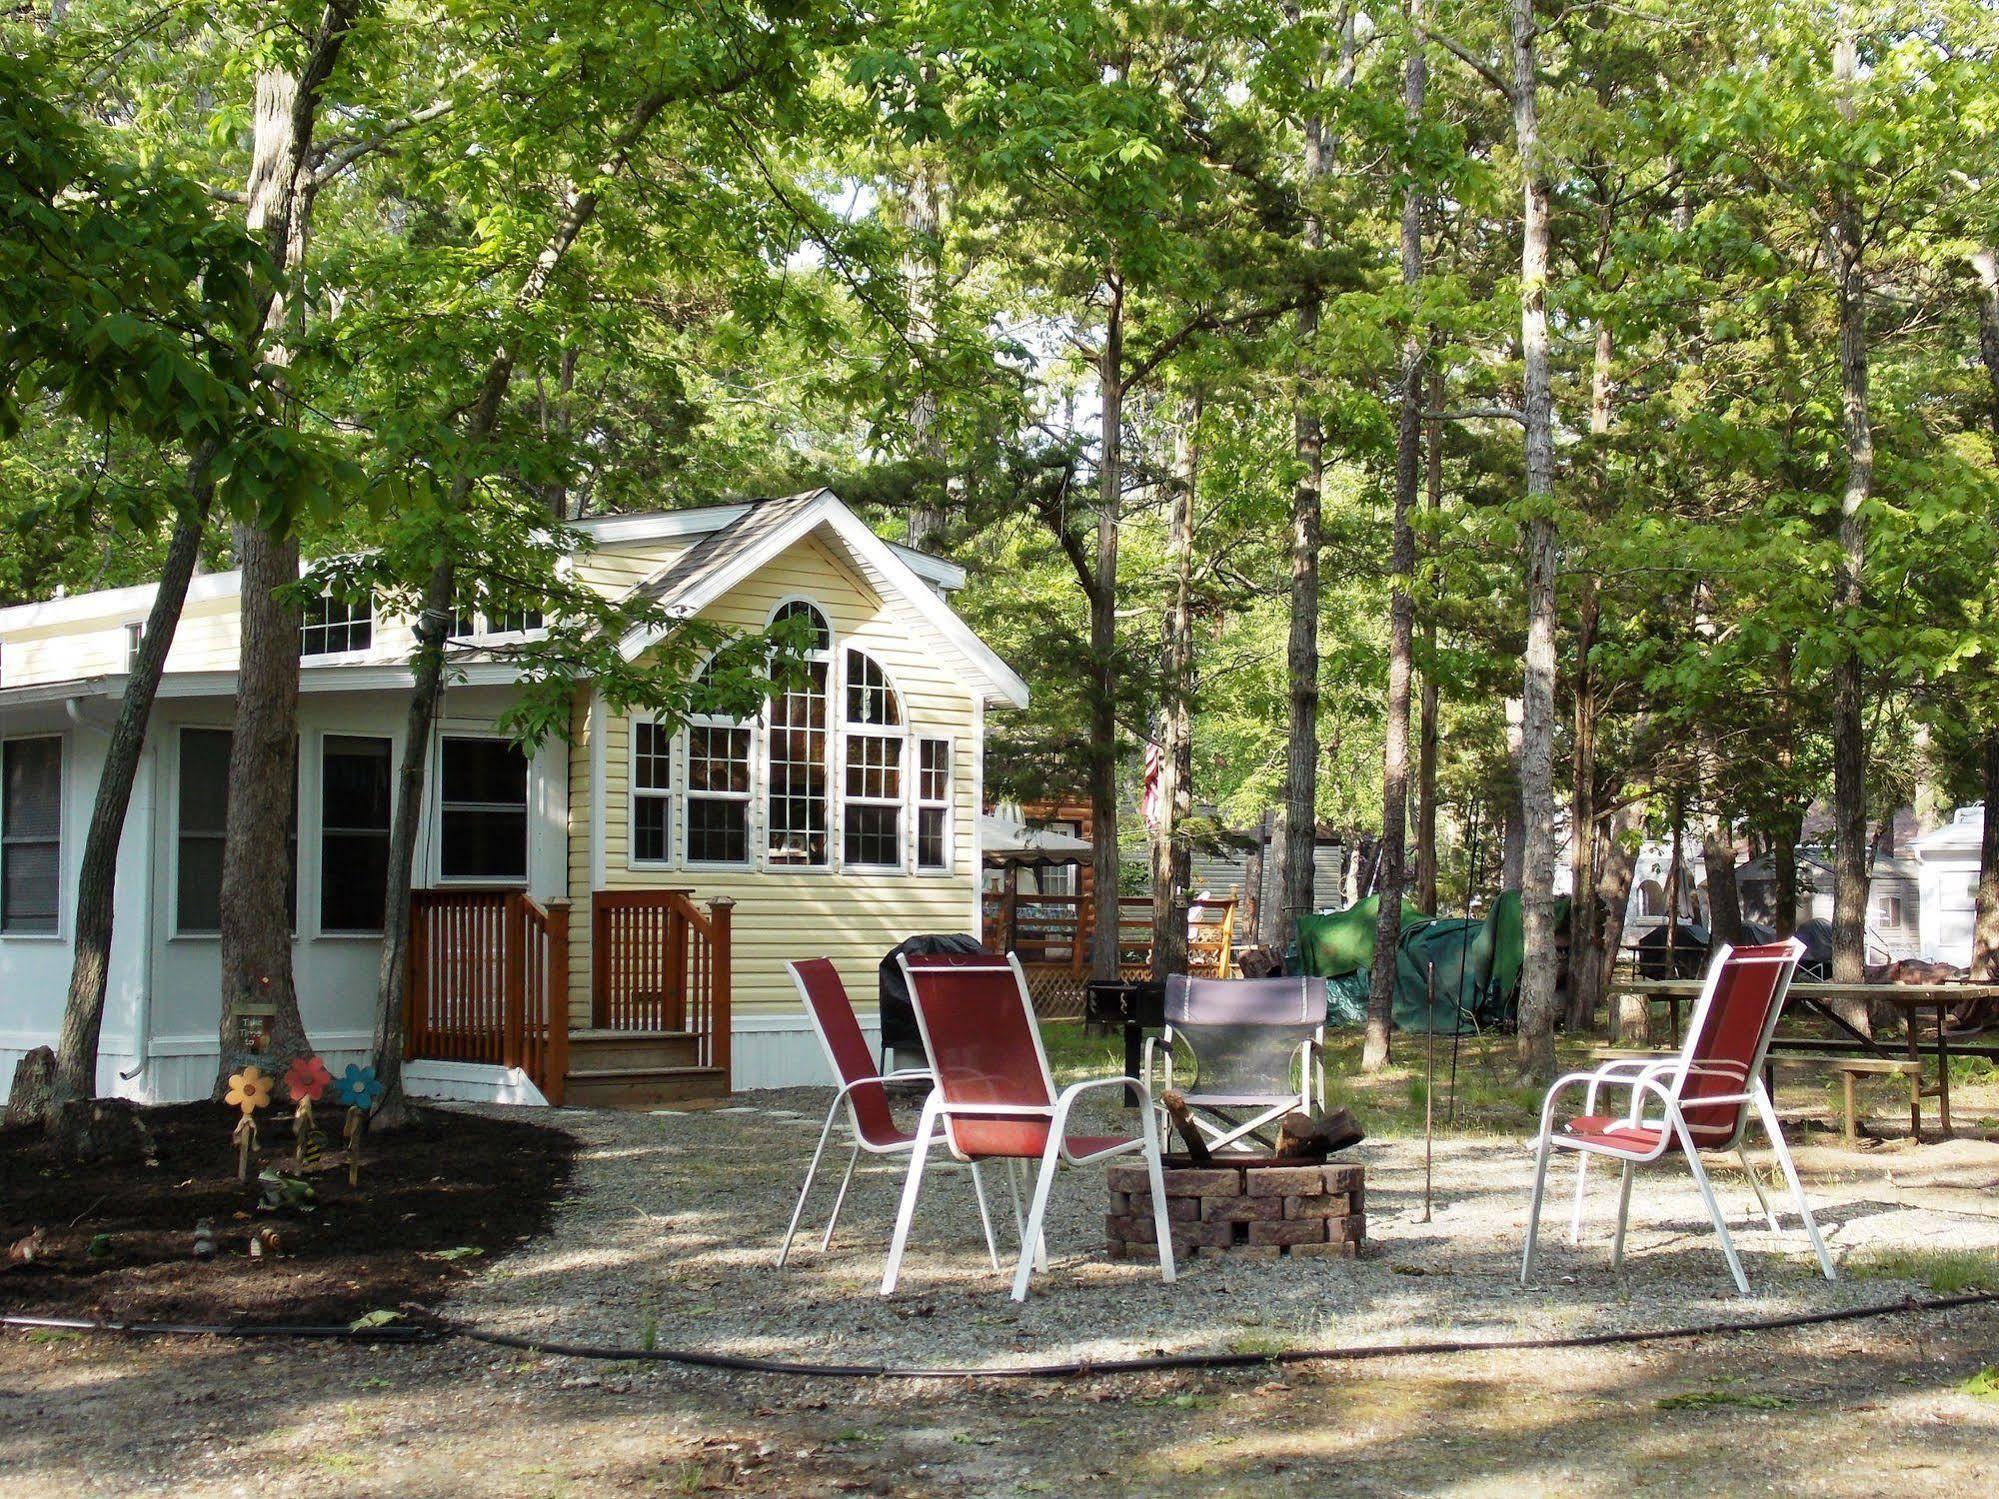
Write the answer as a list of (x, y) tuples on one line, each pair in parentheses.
[(1429, 1088)]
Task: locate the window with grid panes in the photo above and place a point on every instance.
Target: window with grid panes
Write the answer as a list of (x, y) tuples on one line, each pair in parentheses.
[(718, 792), (652, 793), (30, 835), (872, 789), (933, 804), (796, 794), (332, 627)]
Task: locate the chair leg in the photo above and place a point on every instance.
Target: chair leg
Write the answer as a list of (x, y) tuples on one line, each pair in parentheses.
[(1534, 1208), (1623, 1216), (1756, 1186), (925, 1132), (1155, 1171), (1582, 1180), (811, 1171), (985, 1217), (1713, 1208), (1030, 1237), (1768, 1114), (840, 1198)]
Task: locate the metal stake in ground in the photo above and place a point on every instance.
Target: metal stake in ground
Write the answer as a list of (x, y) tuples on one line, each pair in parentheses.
[(1429, 1086)]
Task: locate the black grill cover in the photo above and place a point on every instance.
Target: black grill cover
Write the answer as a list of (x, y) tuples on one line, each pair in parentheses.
[(898, 1014)]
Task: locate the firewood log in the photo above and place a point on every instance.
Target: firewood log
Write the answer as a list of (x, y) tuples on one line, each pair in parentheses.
[(1190, 1132), (1300, 1137)]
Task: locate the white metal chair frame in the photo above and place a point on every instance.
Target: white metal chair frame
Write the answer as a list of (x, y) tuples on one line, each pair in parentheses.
[(1033, 1247), (1308, 1098), (1664, 1079), (841, 1100)]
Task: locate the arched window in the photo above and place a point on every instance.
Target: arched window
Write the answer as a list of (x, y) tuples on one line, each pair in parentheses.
[(718, 789), (795, 794), (872, 791), (1651, 898)]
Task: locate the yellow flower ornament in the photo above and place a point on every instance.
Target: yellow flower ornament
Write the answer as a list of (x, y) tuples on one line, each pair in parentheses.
[(249, 1090)]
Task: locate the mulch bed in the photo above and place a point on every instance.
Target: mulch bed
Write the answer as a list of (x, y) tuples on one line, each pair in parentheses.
[(449, 1182)]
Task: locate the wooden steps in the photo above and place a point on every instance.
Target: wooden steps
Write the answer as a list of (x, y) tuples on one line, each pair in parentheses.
[(638, 1070)]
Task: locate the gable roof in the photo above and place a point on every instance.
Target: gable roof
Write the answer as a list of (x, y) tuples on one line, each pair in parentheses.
[(724, 558)]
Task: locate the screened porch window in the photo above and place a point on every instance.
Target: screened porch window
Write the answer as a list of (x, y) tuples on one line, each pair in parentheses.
[(354, 781), (203, 805), (30, 835), (483, 811)]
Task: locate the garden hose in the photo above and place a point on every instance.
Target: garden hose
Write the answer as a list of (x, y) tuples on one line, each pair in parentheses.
[(428, 1332)]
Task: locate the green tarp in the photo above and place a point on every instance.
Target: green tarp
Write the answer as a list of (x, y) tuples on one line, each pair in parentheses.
[(1477, 965)]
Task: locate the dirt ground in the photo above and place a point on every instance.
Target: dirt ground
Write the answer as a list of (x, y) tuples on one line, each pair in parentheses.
[(116, 1241), (1855, 1409)]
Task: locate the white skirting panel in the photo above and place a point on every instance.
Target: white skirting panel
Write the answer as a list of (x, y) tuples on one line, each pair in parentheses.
[(182, 1070), (780, 1051)]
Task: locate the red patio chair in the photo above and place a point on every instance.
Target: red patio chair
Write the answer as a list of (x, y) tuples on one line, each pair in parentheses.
[(996, 1100), (1698, 1100), (860, 1094)]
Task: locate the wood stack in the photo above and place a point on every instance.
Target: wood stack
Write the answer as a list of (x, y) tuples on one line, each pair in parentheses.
[(1259, 1209)]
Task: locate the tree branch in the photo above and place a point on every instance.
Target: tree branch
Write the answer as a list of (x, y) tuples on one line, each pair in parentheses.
[(335, 161), (1471, 60)]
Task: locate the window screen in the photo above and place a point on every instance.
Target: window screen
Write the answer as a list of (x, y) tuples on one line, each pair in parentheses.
[(203, 808), (30, 834), (483, 811), (355, 778)]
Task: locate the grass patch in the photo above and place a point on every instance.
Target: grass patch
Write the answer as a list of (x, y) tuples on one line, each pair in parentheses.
[(1700, 1400), (1947, 1272), (1984, 1385)]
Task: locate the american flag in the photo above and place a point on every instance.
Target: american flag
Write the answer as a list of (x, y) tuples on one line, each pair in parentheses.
[(1153, 803)]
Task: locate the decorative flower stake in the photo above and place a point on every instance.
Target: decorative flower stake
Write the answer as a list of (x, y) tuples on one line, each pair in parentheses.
[(249, 1090), (307, 1079), (358, 1086)]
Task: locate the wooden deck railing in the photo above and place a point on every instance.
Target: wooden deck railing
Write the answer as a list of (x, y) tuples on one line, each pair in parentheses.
[(659, 963), (1054, 932), (489, 982)]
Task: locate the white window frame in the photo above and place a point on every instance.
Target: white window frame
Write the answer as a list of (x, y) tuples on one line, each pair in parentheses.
[(135, 639), (751, 798), (436, 798), (351, 653), (898, 734), (919, 804), (633, 794), (761, 764), (60, 932), (483, 633)]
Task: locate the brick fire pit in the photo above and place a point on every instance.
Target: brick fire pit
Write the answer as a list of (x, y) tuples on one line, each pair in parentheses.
[(1254, 1207)]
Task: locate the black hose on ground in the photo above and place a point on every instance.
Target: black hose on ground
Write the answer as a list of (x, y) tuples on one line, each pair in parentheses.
[(1077, 1369)]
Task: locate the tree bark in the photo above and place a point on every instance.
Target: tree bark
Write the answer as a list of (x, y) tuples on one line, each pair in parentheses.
[(1298, 817), (1849, 736), (433, 625), (1103, 646), (75, 1078), (923, 213), (1631, 1024), (1583, 991), (1401, 599), (1985, 925), (256, 916), (1172, 861), (1512, 831), (1427, 734)]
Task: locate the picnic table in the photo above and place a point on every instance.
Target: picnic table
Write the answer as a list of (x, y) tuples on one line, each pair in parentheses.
[(1817, 997)]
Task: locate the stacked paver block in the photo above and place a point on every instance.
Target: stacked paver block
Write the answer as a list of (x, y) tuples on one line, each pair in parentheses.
[(1256, 1210)]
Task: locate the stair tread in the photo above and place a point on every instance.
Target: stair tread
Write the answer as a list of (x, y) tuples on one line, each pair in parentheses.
[(631, 1036), (595, 1074)]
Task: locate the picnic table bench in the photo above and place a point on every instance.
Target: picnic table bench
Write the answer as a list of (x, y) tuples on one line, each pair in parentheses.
[(1816, 997), (1849, 1070)]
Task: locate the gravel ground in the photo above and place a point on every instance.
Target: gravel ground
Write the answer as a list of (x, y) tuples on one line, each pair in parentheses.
[(671, 1232)]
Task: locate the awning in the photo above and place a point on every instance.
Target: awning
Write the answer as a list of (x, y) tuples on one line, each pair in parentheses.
[(1008, 842)]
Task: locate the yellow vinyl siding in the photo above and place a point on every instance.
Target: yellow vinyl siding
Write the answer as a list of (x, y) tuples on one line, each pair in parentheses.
[(851, 917), (615, 570)]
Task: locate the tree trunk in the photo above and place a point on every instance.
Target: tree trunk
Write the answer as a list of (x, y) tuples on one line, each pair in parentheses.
[(273, 182), (1583, 991), (923, 213), (1172, 861), (1537, 727), (1631, 1024), (433, 625), (1849, 734), (1103, 647), (1402, 602), (75, 1077), (1512, 831), (1985, 927), (256, 915), (1724, 900), (1298, 818), (1427, 737)]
